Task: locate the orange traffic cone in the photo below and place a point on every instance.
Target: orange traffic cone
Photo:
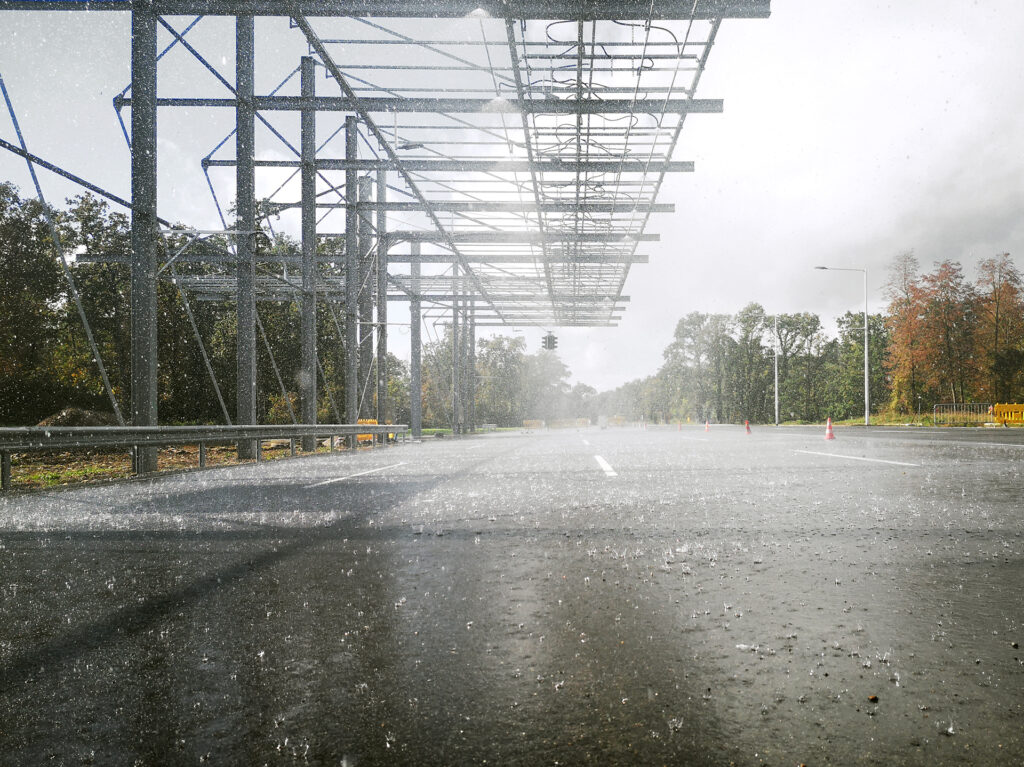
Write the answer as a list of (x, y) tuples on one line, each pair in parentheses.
[(828, 430), (747, 424), (707, 425)]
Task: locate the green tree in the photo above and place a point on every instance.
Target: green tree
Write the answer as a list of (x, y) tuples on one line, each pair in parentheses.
[(1000, 332), (545, 385), (851, 363), (500, 364), (31, 292), (749, 365)]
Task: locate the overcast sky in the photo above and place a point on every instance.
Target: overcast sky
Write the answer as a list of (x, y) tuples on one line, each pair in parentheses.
[(851, 132)]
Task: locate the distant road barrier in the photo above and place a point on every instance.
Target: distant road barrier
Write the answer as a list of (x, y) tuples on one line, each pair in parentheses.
[(569, 423), (1006, 414), (38, 438)]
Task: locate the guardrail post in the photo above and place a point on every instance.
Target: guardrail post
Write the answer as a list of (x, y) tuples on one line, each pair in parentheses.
[(259, 450), (332, 444), (291, 445), (202, 455), (5, 471)]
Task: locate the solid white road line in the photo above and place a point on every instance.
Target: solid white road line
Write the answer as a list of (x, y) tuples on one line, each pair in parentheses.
[(967, 443), (358, 474), (856, 458), (605, 466)]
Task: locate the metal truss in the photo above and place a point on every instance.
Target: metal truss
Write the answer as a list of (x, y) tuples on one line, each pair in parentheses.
[(518, 148), (515, 147)]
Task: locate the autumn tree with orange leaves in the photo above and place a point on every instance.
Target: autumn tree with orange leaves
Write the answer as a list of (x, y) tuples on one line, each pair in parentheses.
[(953, 341), (906, 356)]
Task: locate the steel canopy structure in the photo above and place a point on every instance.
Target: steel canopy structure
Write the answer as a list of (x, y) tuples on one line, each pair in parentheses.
[(498, 162)]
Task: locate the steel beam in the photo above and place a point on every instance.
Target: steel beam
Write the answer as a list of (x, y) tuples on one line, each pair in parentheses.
[(456, 355), (589, 10), (504, 258), (415, 379), (381, 281), (508, 302), (525, 106), (525, 236), (351, 280), (483, 166), (245, 237), (307, 377), (367, 292), (499, 257), (471, 364), (144, 233), (486, 206)]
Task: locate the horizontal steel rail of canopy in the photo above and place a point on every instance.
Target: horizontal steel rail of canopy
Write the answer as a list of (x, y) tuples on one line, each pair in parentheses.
[(588, 10), (448, 105), (45, 438)]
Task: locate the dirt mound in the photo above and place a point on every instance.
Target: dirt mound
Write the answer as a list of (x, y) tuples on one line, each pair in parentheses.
[(76, 416)]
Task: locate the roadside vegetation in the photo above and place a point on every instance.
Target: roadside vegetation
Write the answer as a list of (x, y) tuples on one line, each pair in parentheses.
[(941, 339)]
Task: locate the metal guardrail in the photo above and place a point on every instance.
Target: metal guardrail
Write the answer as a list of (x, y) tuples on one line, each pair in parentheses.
[(961, 413), (39, 438)]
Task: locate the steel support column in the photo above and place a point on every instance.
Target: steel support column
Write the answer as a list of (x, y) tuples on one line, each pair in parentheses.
[(456, 354), (367, 291), (471, 364), (307, 376), (144, 233), (351, 280), (415, 379), (245, 239), (381, 279)]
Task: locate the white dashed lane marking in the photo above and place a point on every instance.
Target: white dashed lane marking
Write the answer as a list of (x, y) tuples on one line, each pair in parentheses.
[(605, 466), (358, 474), (856, 458)]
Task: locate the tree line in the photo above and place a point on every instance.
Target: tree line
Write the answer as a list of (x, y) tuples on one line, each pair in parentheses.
[(511, 384), (941, 339), (46, 362)]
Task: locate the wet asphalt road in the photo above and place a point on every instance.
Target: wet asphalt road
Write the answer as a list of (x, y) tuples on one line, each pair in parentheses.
[(603, 597)]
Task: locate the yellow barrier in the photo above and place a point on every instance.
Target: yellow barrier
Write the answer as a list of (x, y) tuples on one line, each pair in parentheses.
[(1005, 414), (366, 437), (533, 424)]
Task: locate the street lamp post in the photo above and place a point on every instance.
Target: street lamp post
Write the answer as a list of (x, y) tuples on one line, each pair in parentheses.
[(776, 345), (867, 388)]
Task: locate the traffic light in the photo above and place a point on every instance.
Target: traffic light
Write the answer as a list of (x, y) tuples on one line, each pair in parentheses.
[(549, 341)]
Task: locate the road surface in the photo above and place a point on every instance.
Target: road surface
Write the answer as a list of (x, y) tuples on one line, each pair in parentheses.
[(618, 596)]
